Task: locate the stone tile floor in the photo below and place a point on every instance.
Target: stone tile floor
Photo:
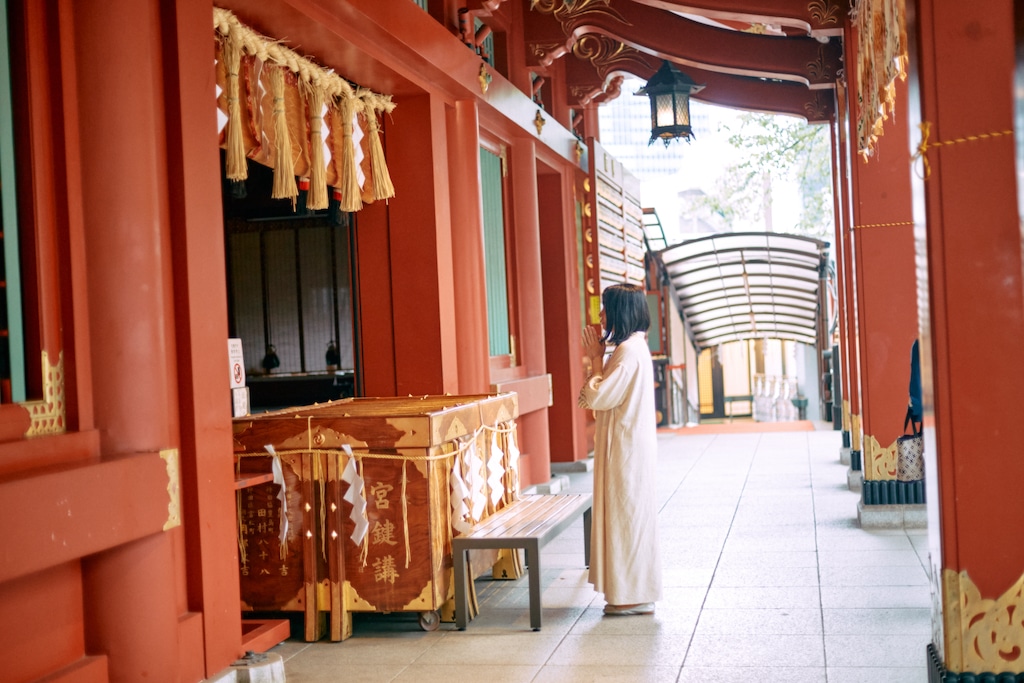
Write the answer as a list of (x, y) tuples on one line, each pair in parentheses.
[(768, 578)]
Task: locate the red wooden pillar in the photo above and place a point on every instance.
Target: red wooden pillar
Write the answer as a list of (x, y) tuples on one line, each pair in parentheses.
[(535, 386), (849, 349), (559, 227), (132, 593), (468, 247), (405, 265), (972, 365), (207, 471), (840, 198), (886, 299)]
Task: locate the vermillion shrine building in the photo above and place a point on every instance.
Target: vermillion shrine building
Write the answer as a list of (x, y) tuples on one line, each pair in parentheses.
[(407, 200)]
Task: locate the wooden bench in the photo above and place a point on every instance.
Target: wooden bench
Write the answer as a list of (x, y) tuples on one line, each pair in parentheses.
[(528, 523)]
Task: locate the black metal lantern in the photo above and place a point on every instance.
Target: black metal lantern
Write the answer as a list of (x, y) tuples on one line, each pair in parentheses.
[(670, 90)]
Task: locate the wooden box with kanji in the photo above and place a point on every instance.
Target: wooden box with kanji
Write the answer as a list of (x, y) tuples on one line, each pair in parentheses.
[(376, 488)]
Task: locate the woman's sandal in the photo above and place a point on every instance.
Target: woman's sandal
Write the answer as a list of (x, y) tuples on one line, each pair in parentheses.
[(622, 610)]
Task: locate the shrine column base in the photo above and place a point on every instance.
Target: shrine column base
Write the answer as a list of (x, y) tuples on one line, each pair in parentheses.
[(982, 636)]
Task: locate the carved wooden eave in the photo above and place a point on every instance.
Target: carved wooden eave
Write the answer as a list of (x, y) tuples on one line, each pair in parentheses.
[(692, 44), (794, 17), (598, 81)]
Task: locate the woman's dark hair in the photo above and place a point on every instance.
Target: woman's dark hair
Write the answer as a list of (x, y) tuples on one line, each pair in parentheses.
[(625, 312)]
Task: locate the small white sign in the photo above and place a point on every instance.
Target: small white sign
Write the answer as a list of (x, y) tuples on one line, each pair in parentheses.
[(236, 363), (240, 401)]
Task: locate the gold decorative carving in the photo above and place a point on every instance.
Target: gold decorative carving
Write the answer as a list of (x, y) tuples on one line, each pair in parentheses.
[(982, 634), (604, 52), (580, 148), (581, 91), (539, 50), (544, 6), (566, 10), (538, 122), (879, 462), (855, 431), (816, 109), (586, 184), (171, 459), (485, 78), (47, 416), (824, 11), (818, 70), (846, 415)]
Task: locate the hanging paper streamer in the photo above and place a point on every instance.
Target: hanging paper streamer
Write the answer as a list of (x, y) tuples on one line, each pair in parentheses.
[(513, 462), (282, 495), (356, 496), (496, 470), (459, 495), (476, 480)]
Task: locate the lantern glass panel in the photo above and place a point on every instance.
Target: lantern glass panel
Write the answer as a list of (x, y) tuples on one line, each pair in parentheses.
[(682, 111), (664, 109)]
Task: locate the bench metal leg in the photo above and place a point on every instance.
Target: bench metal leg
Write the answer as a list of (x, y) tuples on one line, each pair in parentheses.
[(461, 590), (533, 568), (586, 536)]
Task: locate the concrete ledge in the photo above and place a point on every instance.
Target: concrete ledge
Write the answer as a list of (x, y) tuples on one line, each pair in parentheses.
[(892, 516), (844, 455), (855, 479), (557, 484), (585, 465), (255, 667)]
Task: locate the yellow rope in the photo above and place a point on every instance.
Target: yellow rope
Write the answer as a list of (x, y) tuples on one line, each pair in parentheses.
[(925, 145), (359, 455), (405, 513), (882, 225)]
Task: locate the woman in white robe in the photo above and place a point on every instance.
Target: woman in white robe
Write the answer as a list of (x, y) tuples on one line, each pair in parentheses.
[(625, 562)]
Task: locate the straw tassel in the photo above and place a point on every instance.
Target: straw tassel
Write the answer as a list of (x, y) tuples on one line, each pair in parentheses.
[(350, 195), (317, 197), (284, 166), (382, 186), (234, 162)]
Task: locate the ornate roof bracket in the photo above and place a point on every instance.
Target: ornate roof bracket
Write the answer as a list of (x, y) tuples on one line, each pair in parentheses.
[(668, 36), (806, 17)]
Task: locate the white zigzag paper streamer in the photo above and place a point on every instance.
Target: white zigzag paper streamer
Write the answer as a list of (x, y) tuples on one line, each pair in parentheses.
[(495, 470), (513, 461), (356, 496), (478, 496), (459, 494), (282, 495)]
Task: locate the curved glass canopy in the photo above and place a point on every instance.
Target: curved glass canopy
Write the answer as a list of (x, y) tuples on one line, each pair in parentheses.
[(745, 285)]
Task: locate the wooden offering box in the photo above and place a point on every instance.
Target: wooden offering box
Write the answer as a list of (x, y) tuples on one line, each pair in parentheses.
[(374, 490)]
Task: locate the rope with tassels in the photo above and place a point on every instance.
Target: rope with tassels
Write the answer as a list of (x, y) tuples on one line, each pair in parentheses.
[(320, 87)]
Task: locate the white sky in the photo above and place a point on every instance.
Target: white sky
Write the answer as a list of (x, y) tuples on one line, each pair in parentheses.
[(698, 164)]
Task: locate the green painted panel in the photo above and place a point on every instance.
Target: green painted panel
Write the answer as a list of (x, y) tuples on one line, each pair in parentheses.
[(15, 354), (496, 273)]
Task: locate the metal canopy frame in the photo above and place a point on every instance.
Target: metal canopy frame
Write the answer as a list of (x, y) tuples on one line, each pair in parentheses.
[(748, 285)]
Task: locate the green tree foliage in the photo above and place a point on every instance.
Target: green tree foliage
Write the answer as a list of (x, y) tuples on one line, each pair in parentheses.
[(776, 147)]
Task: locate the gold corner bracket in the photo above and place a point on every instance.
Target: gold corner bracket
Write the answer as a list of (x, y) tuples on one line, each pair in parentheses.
[(539, 122), (48, 415)]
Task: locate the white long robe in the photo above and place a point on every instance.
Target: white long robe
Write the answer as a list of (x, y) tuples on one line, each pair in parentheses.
[(625, 563)]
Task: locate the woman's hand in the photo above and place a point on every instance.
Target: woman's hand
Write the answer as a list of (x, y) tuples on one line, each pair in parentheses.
[(594, 346)]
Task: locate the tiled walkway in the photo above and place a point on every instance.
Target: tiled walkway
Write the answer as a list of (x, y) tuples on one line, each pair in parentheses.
[(768, 578)]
